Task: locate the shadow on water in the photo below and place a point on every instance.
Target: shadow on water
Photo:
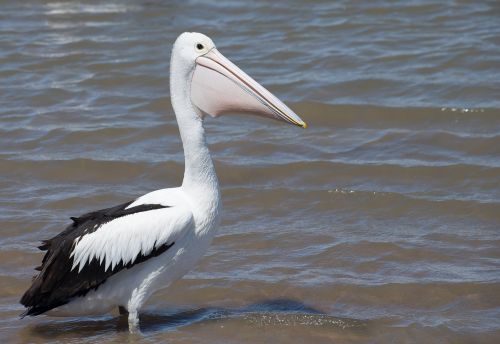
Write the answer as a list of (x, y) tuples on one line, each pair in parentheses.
[(269, 313)]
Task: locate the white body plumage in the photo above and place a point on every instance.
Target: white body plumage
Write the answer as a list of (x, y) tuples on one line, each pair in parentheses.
[(130, 288)]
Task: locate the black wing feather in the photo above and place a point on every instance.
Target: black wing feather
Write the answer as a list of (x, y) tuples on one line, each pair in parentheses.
[(57, 284)]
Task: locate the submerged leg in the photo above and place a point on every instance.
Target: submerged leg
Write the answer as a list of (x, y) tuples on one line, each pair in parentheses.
[(122, 310)]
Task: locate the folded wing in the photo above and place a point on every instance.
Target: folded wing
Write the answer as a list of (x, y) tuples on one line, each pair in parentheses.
[(99, 245)]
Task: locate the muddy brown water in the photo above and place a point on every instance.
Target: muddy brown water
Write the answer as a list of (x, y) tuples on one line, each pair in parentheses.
[(379, 223)]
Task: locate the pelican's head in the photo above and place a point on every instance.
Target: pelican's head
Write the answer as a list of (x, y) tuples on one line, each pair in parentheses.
[(218, 87)]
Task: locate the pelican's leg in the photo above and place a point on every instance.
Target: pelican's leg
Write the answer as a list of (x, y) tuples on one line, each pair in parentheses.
[(137, 299), (122, 310), (133, 321)]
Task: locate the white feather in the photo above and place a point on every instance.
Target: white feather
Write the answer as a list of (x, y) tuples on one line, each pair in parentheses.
[(123, 239)]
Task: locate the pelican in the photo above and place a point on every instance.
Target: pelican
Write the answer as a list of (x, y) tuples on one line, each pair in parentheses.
[(120, 256)]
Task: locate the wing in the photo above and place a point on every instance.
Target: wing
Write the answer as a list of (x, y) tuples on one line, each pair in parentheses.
[(100, 244)]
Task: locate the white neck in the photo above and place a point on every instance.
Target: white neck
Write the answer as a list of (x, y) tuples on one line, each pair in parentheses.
[(200, 180)]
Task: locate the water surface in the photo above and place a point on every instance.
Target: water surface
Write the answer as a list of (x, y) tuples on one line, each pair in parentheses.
[(380, 222)]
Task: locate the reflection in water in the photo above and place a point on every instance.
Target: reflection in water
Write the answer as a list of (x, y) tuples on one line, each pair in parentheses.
[(279, 312)]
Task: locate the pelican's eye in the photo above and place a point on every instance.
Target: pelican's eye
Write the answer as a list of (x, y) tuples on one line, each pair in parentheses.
[(200, 47)]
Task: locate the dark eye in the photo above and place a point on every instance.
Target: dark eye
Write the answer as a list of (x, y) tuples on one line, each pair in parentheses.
[(199, 46)]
